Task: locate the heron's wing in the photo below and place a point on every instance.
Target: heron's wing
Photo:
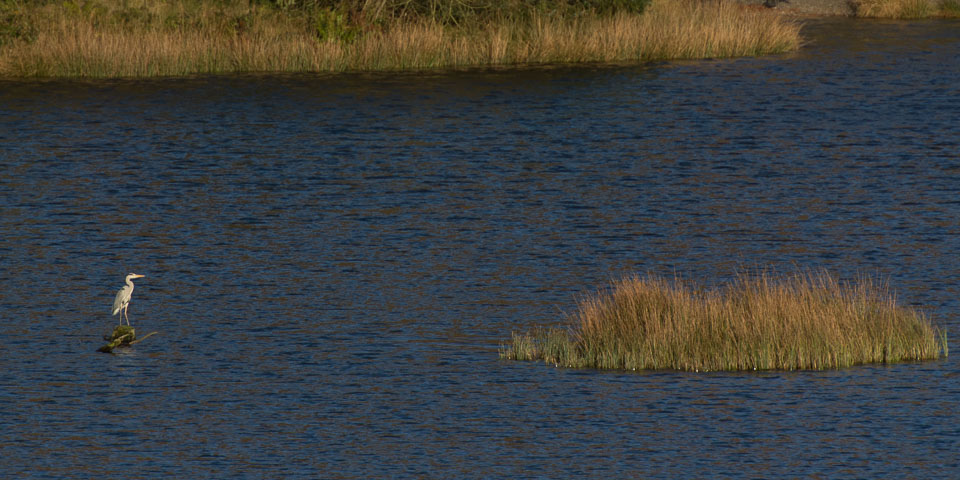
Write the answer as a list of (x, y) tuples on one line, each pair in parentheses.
[(123, 296)]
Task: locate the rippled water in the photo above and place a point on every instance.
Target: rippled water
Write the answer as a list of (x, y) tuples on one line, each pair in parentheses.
[(332, 263)]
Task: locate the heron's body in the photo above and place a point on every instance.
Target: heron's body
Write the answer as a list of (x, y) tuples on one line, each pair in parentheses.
[(123, 298)]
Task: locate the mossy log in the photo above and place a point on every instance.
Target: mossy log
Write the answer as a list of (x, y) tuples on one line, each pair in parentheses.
[(122, 336)]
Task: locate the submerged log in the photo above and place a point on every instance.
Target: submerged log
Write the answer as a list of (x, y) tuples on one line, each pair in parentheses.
[(122, 336)]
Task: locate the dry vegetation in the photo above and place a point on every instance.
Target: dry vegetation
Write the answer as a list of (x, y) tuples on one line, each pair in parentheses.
[(906, 9), (136, 38), (763, 322)]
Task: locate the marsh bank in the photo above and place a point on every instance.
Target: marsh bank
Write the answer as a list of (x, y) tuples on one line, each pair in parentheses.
[(184, 37), (807, 7)]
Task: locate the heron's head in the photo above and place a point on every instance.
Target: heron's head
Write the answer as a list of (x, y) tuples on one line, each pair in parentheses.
[(134, 275)]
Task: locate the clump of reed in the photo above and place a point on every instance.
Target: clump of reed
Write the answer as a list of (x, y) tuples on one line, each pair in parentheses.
[(905, 9), (807, 320), (139, 38), (950, 8)]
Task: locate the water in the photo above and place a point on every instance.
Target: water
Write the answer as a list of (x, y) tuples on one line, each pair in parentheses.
[(333, 261)]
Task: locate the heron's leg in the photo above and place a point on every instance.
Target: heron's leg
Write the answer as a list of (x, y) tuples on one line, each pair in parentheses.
[(125, 314)]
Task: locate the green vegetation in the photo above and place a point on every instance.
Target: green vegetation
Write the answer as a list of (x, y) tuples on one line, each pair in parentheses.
[(906, 9), (950, 8), (804, 321), (137, 38), (122, 336)]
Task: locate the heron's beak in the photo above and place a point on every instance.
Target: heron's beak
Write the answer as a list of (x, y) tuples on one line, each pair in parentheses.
[(139, 276)]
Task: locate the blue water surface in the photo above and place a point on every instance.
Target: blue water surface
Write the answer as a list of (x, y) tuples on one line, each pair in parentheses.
[(333, 262)]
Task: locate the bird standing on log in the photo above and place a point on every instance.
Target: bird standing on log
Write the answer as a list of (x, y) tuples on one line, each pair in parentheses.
[(123, 298)]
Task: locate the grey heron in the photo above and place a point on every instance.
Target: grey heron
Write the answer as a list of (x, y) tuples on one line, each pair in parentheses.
[(123, 298)]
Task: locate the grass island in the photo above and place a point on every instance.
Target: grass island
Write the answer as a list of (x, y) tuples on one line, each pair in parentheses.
[(808, 321)]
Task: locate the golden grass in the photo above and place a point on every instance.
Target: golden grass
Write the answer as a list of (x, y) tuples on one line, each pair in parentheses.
[(905, 9), (803, 321), (171, 38)]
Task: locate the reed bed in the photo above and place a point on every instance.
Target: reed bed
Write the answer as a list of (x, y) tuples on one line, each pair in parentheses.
[(170, 38), (804, 321), (906, 9)]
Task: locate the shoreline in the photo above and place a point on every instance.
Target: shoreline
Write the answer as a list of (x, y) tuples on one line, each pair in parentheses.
[(175, 38), (885, 9), (806, 8), (162, 39)]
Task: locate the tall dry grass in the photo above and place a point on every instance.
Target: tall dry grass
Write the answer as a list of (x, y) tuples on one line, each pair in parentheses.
[(905, 9), (171, 38), (804, 321)]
